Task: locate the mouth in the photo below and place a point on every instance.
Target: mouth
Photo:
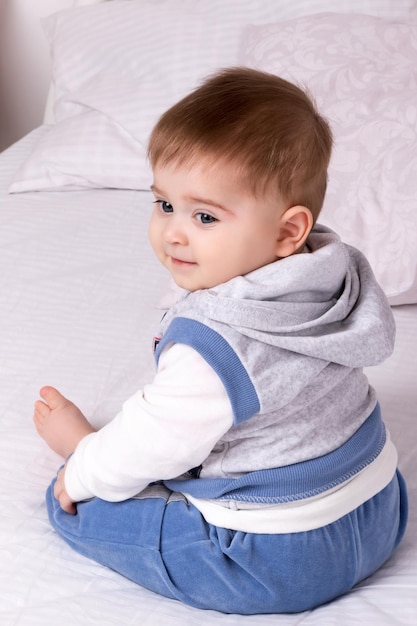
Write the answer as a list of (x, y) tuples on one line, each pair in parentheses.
[(181, 263)]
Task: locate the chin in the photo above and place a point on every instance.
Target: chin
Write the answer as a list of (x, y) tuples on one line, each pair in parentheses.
[(183, 285)]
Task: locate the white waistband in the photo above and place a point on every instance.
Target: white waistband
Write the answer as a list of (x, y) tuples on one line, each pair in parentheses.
[(307, 514)]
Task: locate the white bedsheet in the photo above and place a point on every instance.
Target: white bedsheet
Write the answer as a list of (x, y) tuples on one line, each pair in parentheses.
[(79, 289)]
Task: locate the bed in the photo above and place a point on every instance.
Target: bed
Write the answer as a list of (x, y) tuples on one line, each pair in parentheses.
[(81, 293)]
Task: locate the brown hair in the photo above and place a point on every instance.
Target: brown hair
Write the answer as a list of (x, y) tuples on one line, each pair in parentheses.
[(266, 126)]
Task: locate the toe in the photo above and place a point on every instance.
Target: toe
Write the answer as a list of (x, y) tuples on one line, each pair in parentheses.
[(41, 412), (53, 397)]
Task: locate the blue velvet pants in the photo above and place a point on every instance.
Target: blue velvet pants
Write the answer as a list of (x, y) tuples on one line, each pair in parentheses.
[(163, 543)]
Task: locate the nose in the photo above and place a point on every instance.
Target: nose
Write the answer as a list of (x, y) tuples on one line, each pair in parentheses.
[(175, 231)]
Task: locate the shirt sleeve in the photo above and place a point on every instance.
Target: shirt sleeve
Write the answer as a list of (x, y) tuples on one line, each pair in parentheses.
[(161, 432)]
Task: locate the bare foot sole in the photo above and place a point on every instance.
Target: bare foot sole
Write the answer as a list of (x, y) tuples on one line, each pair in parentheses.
[(59, 421)]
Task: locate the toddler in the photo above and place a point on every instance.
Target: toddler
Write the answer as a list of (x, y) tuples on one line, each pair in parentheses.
[(254, 473)]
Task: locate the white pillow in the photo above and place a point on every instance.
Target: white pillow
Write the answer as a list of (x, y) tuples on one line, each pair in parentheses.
[(116, 68), (362, 72), (119, 65)]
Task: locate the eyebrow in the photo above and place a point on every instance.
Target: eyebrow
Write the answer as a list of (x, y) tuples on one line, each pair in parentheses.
[(196, 199), (209, 202)]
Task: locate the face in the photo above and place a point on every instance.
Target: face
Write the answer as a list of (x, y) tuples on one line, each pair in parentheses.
[(206, 228)]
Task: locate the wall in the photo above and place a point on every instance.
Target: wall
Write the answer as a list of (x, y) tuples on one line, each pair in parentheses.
[(24, 64)]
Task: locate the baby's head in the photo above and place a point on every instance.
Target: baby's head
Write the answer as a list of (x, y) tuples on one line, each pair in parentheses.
[(267, 127), (255, 131)]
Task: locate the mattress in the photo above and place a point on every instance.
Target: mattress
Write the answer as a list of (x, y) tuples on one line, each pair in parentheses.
[(81, 297)]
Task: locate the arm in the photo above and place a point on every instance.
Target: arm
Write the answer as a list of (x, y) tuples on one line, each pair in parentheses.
[(161, 432)]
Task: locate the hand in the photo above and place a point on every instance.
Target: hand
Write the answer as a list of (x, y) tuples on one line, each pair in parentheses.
[(61, 494)]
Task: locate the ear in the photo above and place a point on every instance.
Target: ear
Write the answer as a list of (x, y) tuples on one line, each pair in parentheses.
[(296, 224)]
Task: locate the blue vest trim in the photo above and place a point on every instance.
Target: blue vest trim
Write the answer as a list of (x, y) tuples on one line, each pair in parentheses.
[(298, 481), (221, 357)]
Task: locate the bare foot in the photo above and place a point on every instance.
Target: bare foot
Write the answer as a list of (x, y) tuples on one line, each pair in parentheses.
[(59, 422)]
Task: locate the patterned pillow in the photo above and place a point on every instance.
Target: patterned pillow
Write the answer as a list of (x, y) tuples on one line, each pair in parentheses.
[(362, 71)]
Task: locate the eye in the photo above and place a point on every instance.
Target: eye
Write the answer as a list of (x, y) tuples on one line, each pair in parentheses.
[(165, 206), (205, 218)]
